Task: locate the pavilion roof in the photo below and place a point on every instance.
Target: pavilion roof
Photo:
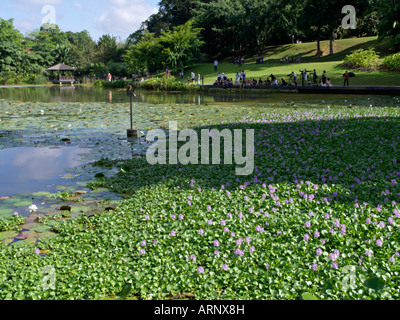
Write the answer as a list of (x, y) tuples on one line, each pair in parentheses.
[(61, 67)]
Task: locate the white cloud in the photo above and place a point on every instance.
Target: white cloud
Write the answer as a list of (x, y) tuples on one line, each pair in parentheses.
[(124, 16), (28, 5), (78, 5)]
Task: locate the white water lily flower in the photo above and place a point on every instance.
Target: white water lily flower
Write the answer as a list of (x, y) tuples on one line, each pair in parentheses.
[(33, 208)]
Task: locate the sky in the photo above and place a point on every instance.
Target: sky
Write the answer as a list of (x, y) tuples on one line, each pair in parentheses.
[(115, 17)]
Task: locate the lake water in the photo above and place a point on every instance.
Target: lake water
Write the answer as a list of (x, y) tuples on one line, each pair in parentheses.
[(24, 170), (91, 94)]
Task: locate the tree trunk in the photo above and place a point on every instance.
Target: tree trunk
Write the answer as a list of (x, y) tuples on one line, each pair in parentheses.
[(318, 45), (331, 45)]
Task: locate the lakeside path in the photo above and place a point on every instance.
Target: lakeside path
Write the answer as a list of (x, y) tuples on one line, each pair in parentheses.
[(381, 90)]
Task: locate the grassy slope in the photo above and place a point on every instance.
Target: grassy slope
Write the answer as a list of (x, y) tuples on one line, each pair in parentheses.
[(332, 64)]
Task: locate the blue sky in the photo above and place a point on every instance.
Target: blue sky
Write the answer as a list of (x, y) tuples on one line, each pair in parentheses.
[(117, 17)]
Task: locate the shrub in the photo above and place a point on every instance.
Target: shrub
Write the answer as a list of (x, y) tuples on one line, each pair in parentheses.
[(168, 84), (115, 84), (99, 83), (362, 59), (35, 79), (110, 84), (392, 62)]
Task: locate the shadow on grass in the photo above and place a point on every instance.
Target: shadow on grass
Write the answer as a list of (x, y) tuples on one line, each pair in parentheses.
[(353, 155)]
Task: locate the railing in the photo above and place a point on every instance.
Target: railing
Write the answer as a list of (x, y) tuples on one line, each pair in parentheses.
[(62, 78)]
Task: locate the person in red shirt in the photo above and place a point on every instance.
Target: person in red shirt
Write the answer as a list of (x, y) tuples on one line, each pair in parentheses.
[(346, 78)]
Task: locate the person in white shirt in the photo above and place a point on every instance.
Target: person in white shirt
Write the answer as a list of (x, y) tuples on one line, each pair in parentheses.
[(237, 78), (215, 65)]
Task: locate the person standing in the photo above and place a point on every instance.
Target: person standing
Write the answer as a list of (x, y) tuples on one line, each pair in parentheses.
[(215, 65), (294, 78), (262, 59), (346, 78), (237, 78), (315, 77), (109, 77), (324, 77), (193, 76), (198, 78)]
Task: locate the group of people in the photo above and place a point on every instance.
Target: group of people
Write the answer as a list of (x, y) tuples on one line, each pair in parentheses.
[(310, 78), (192, 78)]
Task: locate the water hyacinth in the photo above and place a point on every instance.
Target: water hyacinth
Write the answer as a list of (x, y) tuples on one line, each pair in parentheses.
[(313, 190)]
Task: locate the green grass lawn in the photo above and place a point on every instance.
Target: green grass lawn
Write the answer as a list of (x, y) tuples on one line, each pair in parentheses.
[(332, 64)]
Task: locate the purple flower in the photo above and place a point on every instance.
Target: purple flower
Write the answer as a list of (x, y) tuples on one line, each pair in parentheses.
[(143, 243), (216, 243), (201, 231), (327, 216), (226, 229), (216, 252), (229, 215), (223, 222), (319, 252), (209, 222), (37, 251), (173, 233), (180, 217), (247, 240), (142, 251), (368, 221), (225, 267), (336, 252), (316, 234), (334, 265), (189, 203), (307, 224), (155, 242), (200, 270), (315, 267), (267, 266), (332, 256), (391, 259), (343, 230), (173, 217), (232, 234), (15, 213), (251, 210), (208, 208), (379, 243), (193, 257), (190, 198), (306, 237), (381, 224), (252, 249), (240, 215), (147, 217), (368, 253)]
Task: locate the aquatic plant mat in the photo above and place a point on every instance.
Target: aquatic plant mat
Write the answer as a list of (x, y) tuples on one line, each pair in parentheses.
[(318, 218)]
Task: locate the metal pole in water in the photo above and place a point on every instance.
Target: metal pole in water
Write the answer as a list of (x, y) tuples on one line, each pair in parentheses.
[(130, 91)]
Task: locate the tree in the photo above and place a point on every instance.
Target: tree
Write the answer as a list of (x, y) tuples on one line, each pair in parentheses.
[(389, 22), (181, 45)]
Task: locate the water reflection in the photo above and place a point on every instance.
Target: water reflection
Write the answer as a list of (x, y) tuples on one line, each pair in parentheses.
[(94, 94), (84, 94), (27, 170)]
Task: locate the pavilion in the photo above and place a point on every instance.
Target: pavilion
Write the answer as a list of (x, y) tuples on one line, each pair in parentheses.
[(61, 76)]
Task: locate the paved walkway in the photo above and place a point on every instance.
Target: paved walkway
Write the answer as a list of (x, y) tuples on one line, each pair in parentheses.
[(384, 90)]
